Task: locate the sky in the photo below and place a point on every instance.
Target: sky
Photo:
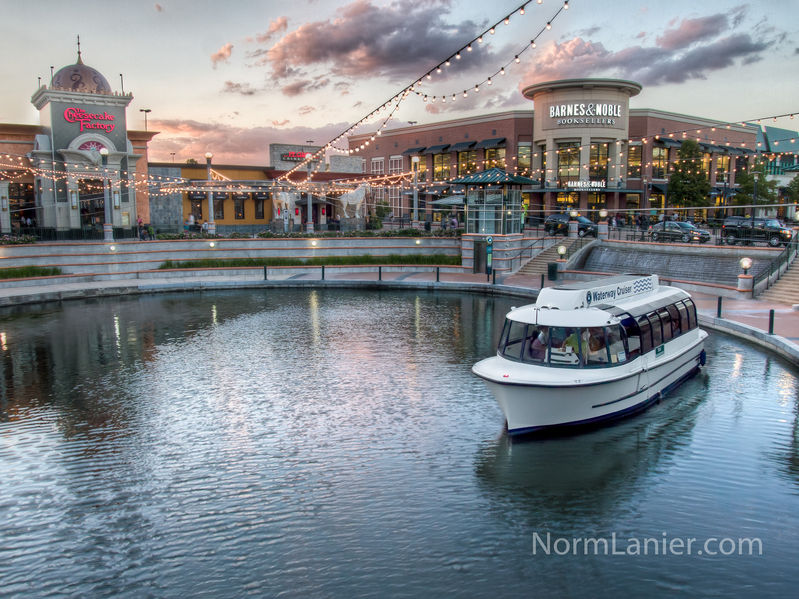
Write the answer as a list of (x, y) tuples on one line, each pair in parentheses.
[(232, 77)]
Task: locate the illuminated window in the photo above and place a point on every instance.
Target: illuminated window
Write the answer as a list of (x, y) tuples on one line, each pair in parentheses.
[(598, 162), (634, 162), (467, 162), (495, 157), (568, 156), (660, 162), (524, 159), (440, 167)]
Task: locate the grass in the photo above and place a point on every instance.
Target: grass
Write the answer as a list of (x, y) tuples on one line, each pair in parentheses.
[(363, 260), (24, 272)]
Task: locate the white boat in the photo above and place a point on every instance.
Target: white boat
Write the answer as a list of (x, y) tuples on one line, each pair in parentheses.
[(592, 351)]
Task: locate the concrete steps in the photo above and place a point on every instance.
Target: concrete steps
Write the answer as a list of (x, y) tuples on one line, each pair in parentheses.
[(786, 290), (538, 264)]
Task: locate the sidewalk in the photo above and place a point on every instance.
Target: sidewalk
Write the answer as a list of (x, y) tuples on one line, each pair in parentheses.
[(745, 318)]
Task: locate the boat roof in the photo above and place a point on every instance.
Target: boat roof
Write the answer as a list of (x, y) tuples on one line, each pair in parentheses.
[(553, 317), (609, 291)]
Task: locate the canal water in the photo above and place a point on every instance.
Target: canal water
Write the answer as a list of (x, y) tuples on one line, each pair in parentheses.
[(321, 443)]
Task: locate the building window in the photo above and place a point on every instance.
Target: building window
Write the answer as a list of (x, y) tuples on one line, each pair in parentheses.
[(467, 162), (440, 167), (238, 207), (378, 166), (722, 168), (395, 165), (524, 160), (634, 162), (706, 165), (197, 210), (394, 200), (543, 150), (259, 208), (568, 162), (596, 201), (598, 162), (660, 162), (567, 199), (363, 165), (219, 207), (421, 168), (495, 157)]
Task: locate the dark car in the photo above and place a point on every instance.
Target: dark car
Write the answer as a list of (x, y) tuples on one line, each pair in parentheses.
[(558, 224), (747, 230), (678, 231)]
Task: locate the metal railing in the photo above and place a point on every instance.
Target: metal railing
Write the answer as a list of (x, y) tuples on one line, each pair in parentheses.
[(785, 257), (519, 255)]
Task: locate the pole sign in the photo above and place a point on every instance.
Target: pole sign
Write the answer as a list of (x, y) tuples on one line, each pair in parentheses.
[(489, 254)]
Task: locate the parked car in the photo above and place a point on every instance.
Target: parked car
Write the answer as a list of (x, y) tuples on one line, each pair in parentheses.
[(678, 231), (746, 230), (558, 224)]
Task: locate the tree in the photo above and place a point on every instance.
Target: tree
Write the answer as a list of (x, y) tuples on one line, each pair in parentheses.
[(191, 161), (792, 190), (688, 185), (766, 188)]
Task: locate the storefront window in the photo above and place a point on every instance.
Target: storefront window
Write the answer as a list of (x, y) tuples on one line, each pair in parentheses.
[(722, 168), (568, 162), (219, 205), (598, 162), (259, 208), (197, 210), (495, 157), (634, 162), (467, 162), (660, 162), (656, 201), (440, 167), (596, 201), (567, 199), (421, 167), (524, 162)]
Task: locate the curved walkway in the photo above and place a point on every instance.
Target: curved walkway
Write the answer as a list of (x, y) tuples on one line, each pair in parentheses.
[(748, 319)]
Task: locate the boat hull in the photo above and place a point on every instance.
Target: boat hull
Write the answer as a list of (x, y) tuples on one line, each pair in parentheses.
[(533, 406)]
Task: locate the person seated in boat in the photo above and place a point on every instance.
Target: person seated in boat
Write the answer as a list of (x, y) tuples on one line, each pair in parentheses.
[(538, 348), (572, 344), (597, 352)]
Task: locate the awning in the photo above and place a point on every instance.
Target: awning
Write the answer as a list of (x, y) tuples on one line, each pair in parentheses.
[(670, 143), (413, 151), (660, 187), (198, 195), (462, 146), (436, 149), (494, 142), (456, 200)]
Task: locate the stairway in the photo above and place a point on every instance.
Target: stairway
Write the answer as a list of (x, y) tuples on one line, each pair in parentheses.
[(538, 264), (786, 290)]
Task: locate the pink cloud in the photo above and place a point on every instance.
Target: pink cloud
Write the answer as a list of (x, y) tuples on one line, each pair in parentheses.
[(279, 24), (222, 55), (692, 30)]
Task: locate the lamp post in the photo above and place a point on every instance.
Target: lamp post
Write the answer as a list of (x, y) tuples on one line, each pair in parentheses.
[(602, 227), (146, 111), (211, 223), (108, 227), (573, 225), (415, 167), (745, 280), (309, 220)]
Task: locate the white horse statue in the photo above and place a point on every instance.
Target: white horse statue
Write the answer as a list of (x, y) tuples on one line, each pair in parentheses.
[(353, 198)]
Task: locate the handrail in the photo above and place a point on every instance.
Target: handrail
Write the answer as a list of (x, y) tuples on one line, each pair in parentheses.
[(786, 256), (524, 249)]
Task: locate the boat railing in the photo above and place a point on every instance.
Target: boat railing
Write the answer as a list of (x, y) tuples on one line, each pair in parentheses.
[(773, 271)]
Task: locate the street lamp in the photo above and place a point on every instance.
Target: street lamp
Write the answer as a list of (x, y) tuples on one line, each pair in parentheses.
[(415, 167), (108, 227), (211, 224), (145, 111), (745, 263), (309, 220)]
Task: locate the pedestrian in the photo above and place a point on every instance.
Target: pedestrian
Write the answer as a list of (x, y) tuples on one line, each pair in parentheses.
[(453, 223)]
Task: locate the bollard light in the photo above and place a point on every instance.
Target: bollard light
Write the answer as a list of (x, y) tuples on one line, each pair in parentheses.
[(212, 244), (313, 243), (603, 214), (561, 250), (418, 241), (745, 263), (113, 248), (574, 214)]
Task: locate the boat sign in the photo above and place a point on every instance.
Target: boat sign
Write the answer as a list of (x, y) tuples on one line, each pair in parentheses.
[(618, 291)]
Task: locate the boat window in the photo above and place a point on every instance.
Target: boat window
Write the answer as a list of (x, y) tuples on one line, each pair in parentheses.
[(676, 325), (597, 343), (535, 351), (633, 334), (691, 312), (565, 347), (646, 334), (657, 332), (513, 340), (684, 324), (616, 349), (665, 321)]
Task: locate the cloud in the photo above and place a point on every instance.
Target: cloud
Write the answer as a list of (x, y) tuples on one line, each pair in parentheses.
[(280, 123), (375, 40), (300, 87), (229, 144), (222, 55), (690, 50), (159, 8), (303, 110), (243, 89), (279, 24), (692, 30)]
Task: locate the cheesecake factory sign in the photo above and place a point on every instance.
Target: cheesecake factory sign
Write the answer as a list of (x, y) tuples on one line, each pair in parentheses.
[(586, 114)]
